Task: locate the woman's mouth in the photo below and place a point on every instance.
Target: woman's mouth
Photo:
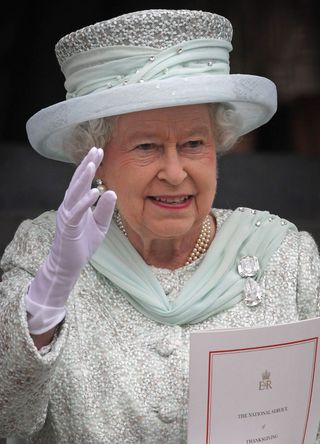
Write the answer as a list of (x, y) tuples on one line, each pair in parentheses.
[(174, 202)]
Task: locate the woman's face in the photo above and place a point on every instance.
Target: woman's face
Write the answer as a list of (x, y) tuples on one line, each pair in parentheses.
[(162, 165)]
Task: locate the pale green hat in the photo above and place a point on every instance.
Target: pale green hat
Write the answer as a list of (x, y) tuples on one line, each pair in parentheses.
[(144, 60)]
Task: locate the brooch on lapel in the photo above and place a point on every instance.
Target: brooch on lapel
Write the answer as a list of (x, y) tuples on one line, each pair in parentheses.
[(248, 268)]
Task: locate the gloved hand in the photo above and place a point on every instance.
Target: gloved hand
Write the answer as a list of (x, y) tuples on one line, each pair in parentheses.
[(79, 231)]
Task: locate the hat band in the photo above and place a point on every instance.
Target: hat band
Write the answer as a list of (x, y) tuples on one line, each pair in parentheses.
[(102, 68)]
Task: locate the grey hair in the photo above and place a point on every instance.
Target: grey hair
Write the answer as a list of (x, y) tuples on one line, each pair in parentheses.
[(98, 132), (227, 124), (85, 135)]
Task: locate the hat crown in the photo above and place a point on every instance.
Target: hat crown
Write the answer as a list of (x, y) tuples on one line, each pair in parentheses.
[(155, 28), (144, 60)]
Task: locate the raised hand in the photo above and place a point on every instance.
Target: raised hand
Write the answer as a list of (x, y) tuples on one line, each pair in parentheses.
[(80, 228)]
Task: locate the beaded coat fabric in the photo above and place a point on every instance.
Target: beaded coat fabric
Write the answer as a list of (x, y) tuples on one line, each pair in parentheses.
[(112, 375)]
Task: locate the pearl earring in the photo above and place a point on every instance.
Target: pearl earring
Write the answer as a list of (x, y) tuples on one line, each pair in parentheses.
[(101, 187)]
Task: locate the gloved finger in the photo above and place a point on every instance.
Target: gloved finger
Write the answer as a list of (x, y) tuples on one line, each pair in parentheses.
[(80, 186), (82, 206), (98, 158), (80, 168), (103, 212), (94, 155)]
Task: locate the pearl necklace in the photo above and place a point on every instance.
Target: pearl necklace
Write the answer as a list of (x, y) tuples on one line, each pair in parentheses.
[(201, 246)]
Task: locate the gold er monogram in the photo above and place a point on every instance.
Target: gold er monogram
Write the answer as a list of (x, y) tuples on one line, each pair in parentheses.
[(265, 383)]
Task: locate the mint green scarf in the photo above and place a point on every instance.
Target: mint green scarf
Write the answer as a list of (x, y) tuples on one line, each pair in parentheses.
[(216, 284)]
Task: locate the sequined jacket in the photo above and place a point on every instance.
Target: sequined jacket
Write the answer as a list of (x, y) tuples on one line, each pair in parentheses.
[(111, 375)]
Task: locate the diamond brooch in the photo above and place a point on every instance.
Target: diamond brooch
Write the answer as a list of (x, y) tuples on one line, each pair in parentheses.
[(248, 268)]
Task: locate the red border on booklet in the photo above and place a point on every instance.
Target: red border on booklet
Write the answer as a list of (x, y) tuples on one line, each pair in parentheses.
[(237, 350)]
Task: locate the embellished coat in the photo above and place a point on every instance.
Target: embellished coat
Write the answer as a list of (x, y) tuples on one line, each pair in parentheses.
[(112, 375)]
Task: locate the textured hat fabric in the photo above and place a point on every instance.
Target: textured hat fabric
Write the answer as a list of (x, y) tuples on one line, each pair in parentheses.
[(144, 60)]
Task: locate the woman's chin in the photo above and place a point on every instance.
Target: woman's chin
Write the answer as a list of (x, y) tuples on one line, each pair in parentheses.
[(172, 229)]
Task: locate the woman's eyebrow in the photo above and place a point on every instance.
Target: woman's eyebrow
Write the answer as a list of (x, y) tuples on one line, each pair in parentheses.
[(138, 134), (196, 130)]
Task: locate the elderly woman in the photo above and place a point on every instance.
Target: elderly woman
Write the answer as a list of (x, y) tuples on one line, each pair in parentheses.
[(97, 305)]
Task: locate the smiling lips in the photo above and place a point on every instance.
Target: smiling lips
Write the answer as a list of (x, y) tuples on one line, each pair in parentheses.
[(174, 202)]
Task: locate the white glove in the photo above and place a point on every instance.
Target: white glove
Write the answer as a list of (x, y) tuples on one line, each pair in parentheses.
[(79, 231)]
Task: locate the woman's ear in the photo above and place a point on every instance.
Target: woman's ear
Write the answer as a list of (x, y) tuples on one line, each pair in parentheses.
[(99, 171), (100, 175)]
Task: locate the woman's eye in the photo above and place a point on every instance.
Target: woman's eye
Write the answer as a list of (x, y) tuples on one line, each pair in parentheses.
[(146, 146), (193, 143)]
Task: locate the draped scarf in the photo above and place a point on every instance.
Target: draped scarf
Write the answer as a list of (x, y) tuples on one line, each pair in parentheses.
[(215, 285)]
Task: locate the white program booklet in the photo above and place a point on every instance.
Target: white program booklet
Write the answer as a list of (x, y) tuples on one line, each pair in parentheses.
[(255, 385)]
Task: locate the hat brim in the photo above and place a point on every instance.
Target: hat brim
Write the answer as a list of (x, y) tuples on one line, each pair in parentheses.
[(254, 98)]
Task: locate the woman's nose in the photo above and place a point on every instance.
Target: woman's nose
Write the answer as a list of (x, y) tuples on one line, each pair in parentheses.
[(172, 167)]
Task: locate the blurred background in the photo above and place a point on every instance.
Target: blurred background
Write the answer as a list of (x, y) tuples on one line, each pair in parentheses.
[(276, 167)]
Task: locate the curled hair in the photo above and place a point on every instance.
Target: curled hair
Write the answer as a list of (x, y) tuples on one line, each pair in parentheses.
[(226, 125), (225, 120), (85, 135)]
